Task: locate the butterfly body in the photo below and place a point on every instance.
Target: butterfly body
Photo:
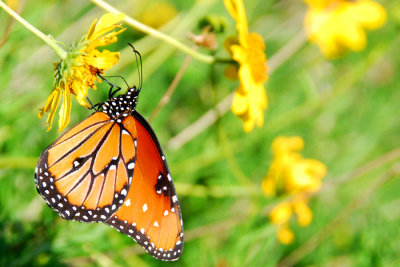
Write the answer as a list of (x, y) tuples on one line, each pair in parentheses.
[(110, 168)]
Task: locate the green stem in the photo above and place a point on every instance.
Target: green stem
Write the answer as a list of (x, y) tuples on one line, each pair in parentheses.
[(46, 38), (157, 34)]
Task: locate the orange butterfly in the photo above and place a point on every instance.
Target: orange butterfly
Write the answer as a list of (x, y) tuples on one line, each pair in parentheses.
[(110, 168)]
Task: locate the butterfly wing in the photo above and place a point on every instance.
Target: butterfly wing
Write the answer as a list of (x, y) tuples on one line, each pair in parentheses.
[(86, 173), (151, 213)]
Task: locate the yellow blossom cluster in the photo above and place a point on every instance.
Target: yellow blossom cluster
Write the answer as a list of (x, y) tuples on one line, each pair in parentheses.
[(250, 99), (338, 25), (78, 71), (291, 174)]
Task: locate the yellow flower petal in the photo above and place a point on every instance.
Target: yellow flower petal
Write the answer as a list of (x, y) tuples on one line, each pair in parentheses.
[(283, 145), (65, 110), (303, 212), (240, 102), (306, 174), (268, 186), (51, 105), (104, 25), (336, 26), (370, 14), (238, 13), (285, 235), (102, 60), (281, 213)]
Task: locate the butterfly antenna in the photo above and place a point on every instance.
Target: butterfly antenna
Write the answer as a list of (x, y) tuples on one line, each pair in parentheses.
[(117, 76), (138, 65)]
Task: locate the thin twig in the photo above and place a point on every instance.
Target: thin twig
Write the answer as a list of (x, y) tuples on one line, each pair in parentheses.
[(11, 23), (210, 117), (171, 88)]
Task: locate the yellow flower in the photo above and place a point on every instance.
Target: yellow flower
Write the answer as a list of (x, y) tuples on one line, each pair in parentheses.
[(291, 174), (78, 71), (250, 99), (338, 25)]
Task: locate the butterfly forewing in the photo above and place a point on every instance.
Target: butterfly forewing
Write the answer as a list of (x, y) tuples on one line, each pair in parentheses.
[(151, 213), (85, 175)]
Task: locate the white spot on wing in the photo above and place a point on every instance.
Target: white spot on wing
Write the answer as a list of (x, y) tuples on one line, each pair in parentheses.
[(128, 202), (144, 207), (165, 212), (131, 165), (123, 192), (155, 224)]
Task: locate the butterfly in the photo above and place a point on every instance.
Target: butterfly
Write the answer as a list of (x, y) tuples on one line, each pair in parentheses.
[(110, 168)]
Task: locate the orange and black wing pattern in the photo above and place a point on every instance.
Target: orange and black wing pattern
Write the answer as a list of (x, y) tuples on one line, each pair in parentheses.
[(85, 174), (110, 168), (151, 214)]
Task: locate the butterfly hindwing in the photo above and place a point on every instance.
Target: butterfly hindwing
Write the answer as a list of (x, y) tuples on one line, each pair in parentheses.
[(86, 173), (151, 214)]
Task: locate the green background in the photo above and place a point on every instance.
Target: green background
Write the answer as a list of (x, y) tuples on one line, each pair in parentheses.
[(347, 111)]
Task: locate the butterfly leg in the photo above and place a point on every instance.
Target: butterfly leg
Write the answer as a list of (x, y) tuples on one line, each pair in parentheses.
[(111, 93), (95, 107)]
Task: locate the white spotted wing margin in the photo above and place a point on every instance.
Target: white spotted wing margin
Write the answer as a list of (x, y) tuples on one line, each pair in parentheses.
[(151, 213), (79, 177)]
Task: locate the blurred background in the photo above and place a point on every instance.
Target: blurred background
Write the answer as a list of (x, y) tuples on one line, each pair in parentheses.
[(346, 110)]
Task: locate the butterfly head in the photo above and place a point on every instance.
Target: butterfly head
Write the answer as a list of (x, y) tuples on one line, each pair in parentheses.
[(122, 105)]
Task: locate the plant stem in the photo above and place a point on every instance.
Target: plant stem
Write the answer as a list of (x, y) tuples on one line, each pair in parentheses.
[(46, 38), (171, 88), (157, 34)]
